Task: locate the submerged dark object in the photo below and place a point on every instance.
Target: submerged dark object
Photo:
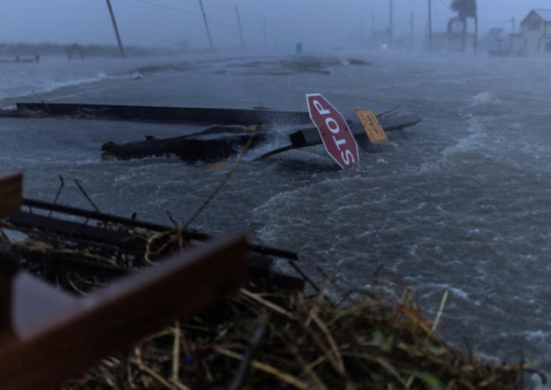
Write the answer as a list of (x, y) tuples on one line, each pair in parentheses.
[(234, 128), (212, 144)]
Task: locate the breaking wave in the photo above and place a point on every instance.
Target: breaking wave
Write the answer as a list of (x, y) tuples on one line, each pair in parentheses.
[(483, 99), (31, 87)]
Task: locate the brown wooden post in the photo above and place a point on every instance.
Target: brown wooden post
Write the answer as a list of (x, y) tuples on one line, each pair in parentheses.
[(121, 48), (475, 35), (8, 270), (58, 336), (240, 27), (430, 26), (11, 193), (206, 24)]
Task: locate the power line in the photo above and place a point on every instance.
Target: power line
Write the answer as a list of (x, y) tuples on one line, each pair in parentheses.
[(167, 8)]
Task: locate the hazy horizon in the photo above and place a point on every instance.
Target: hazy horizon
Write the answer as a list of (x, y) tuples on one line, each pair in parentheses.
[(319, 25)]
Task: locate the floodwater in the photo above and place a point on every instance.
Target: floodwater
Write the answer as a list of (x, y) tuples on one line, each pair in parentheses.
[(461, 201)]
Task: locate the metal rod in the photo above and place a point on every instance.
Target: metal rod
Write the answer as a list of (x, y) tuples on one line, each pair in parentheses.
[(121, 48), (206, 24), (240, 27)]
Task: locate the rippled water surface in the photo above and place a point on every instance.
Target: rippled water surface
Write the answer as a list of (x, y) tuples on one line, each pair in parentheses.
[(461, 201)]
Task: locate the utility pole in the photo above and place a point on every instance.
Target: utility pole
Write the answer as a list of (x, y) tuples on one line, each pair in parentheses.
[(412, 21), (265, 34), (390, 28), (275, 38), (121, 48), (206, 24), (430, 26), (239, 24)]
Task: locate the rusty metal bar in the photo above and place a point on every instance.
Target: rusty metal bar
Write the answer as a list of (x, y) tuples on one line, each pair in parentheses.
[(51, 336)]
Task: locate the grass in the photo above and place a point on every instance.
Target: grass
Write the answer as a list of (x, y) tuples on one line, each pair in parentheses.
[(291, 340)]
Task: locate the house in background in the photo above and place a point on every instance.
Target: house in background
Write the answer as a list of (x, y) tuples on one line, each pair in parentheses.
[(534, 38)]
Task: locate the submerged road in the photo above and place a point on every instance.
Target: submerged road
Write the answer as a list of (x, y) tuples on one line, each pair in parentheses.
[(461, 201)]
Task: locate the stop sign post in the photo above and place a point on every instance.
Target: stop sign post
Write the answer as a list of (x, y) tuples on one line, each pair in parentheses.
[(334, 131)]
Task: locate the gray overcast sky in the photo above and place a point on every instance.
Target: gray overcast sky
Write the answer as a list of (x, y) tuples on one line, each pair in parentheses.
[(317, 23)]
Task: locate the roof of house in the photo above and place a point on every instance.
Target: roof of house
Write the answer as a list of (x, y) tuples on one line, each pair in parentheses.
[(544, 14)]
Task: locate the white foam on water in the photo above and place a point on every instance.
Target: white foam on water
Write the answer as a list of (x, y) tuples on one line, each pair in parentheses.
[(482, 98), (52, 85), (454, 291), (535, 335), (47, 86)]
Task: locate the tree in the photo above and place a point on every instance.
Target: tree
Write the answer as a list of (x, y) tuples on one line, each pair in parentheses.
[(467, 9)]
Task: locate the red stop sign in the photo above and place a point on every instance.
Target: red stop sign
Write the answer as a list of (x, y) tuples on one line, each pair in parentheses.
[(334, 131)]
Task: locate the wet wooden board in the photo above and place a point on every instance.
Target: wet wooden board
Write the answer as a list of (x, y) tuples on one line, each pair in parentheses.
[(11, 193), (47, 336)]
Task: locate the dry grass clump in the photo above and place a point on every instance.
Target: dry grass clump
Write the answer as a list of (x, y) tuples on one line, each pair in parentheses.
[(284, 340)]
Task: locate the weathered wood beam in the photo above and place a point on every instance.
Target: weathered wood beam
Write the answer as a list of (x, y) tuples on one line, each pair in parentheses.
[(47, 336), (11, 193)]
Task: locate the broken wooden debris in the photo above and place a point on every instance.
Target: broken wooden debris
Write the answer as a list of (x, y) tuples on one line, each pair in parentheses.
[(218, 143), (47, 336), (109, 247), (126, 224), (210, 145)]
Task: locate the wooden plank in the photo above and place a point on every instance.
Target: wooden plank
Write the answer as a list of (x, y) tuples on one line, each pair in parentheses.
[(68, 335), (11, 193)]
